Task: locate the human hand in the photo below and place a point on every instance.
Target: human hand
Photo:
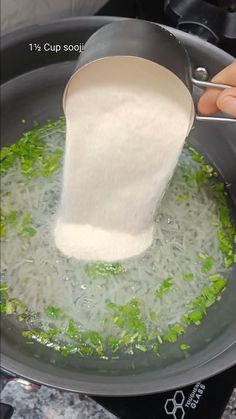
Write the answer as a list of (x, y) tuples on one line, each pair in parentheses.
[(214, 100)]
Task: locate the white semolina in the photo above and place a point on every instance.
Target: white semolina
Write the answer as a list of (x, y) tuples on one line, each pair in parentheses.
[(127, 119)]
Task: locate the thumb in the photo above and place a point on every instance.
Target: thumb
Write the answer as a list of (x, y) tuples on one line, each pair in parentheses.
[(226, 101)]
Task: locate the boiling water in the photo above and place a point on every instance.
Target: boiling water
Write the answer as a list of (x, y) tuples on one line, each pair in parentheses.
[(186, 226)]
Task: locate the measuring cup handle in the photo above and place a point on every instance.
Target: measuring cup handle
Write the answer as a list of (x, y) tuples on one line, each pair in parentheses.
[(203, 85)]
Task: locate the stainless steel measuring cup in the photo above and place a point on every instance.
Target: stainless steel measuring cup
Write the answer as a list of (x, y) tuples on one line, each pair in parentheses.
[(142, 39)]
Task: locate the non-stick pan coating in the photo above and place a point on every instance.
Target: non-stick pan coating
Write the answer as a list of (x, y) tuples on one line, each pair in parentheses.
[(33, 90)]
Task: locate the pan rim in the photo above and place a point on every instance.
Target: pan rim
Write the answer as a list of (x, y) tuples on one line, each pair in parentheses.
[(193, 375), (210, 368)]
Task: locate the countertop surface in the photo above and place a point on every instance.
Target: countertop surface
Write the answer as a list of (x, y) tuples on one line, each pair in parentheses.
[(34, 402)]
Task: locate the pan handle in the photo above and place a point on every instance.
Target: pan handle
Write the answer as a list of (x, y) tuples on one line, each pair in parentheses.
[(203, 85)]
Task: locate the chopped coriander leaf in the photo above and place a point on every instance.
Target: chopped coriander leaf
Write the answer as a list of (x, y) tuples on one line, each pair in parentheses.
[(159, 339), (104, 269), (189, 176), (226, 246), (205, 168), (215, 277), (193, 178), (173, 332), (50, 163), (27, 219), (42, 337), (2, 307), (11, 217), (206, 262), (93, 337), (184, 347), (27, 316), (182, 198), (32, 154), (153, 316), (155, 348), (53, 312), (193, 317), (142, 348), (218, 286), (3, 230), (165, 287), (66, 350), (188, 277), (197, 156), (128, 317), (128, 339), (72, 330), (229, 261), (113, 343), (5, 220), (14, 306), (3, 287), (86, 350), (28, 232), (25, 228)]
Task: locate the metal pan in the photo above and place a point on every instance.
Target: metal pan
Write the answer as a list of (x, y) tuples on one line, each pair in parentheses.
[(33, 90), (139, 38)]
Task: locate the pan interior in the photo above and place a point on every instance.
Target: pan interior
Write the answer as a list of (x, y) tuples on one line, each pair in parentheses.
[(37, 95)]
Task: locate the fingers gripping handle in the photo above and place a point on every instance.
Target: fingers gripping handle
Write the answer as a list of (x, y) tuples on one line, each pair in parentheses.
[(206, 84)]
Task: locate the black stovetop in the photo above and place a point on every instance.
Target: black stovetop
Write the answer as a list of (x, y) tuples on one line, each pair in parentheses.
[(203, 400)]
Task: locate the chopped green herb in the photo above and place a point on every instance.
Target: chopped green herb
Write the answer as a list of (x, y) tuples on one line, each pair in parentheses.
[(195, 317), (128, 318), (4, 291), (173, 333), (32, 154), (93, 337), (29, 232), (104, 269), (25, 228), (113, 343), (27, 316), (11, 217), (53, 312), (6, 220), (153, 316), (3, 230), (72, 330), (41, 337), (206, 262), (66, 350), (14, 306), (184, 347), (141, 347), (214, 278), (165, 287), (182, 198), (2, 307), (86, 350), (27, 219), (188, 277), (155, 349)]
